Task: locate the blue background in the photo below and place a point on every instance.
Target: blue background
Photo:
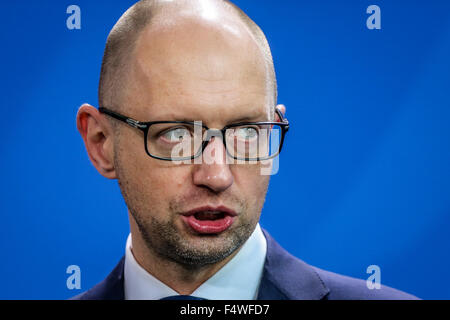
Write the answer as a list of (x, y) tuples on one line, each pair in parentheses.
[(364, 175)]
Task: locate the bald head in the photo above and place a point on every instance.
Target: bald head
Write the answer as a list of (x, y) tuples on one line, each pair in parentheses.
[(214, 32)]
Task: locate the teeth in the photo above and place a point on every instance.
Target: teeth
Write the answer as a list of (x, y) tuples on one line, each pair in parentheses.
[(209, 215)]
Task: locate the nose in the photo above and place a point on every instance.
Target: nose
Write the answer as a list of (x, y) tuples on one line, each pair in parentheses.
[(213, 172)]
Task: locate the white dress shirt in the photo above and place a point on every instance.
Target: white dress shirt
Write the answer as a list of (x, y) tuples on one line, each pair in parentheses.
[(237, 280)]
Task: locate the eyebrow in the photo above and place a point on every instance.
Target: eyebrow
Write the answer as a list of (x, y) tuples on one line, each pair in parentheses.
[(255, 118)]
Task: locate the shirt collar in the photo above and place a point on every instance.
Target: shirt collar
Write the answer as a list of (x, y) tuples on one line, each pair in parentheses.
[(237, 280)]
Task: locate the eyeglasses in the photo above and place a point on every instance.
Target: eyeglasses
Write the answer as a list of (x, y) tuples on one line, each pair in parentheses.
[(186, 140)]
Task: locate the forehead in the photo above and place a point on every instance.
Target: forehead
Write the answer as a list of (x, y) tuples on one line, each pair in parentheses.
[(198, 68)]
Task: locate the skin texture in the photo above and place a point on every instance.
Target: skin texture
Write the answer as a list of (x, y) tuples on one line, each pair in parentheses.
[(187, 65)]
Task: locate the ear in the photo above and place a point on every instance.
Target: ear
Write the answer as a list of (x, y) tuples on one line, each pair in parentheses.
[(282, 108), (98, 139)]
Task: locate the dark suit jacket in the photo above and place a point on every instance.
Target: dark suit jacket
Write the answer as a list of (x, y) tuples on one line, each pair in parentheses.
[(284, 278)]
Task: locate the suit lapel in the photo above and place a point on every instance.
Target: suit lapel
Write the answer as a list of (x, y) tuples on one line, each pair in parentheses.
[(287, 278), (111, 288)]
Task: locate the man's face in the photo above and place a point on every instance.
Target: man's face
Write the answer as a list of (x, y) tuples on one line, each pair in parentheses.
[(194, 71)]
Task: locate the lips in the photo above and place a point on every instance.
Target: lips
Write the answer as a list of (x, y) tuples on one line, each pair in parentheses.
[(209, 220)]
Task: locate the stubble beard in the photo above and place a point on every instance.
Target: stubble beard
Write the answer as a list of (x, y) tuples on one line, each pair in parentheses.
[(163, 239)]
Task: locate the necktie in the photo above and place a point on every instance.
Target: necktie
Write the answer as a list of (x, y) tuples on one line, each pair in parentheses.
[(182, 297)]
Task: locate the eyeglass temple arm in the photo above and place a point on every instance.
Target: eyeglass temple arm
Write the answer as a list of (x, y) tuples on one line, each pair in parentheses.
[(130, 121)]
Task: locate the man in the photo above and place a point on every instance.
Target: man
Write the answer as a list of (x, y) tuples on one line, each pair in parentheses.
[(175, 72)]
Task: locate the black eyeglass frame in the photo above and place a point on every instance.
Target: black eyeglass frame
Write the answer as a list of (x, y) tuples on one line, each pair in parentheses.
[(145, 126)]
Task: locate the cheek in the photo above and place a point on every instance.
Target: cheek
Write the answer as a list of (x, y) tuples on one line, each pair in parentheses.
[(156, 184), (149, 184), (167, 182), (252, 185)]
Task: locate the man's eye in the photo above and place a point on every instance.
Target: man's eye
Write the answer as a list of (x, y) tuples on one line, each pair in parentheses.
[(176, 134), (246, 133)]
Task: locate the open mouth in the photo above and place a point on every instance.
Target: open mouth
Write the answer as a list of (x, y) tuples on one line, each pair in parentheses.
[(209, 215), (207, 220)]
